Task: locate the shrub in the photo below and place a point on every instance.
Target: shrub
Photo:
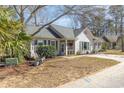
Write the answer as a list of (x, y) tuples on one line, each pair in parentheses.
[(101, 50), (104, 47), (46, 51)]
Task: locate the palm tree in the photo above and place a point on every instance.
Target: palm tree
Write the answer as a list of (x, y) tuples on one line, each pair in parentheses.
[(13, 42)]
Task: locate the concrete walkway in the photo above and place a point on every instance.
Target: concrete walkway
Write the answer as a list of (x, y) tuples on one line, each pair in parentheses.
[(112, 77)]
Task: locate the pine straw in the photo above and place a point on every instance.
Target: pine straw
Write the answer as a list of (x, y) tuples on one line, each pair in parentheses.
[(53, 72)]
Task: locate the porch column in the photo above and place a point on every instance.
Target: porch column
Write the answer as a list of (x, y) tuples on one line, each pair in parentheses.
[(58, 46), (32, 49), (75, 52), (66, 48)]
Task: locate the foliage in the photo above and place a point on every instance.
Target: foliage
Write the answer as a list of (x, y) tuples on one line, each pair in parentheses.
[(13, 42), (46, 51), (104, 47)]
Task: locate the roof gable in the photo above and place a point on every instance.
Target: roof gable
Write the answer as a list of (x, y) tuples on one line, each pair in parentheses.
[(44, 33), (111, 38), (77, 32), (67, 33), (56, 31), (91, 37), (89, 34)]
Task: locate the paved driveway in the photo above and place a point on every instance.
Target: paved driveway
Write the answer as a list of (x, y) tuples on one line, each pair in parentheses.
[(112, 77)]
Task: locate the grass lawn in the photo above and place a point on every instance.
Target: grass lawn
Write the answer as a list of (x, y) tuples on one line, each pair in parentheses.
[(115, 52), (53, 72)]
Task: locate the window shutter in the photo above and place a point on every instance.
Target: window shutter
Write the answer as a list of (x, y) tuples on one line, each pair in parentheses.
[(82, 46)]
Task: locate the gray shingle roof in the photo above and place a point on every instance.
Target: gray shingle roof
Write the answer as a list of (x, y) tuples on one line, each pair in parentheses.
[(68, 33), (59, 32), (77, 32), (111, 38), (44, 33), (64, 32)]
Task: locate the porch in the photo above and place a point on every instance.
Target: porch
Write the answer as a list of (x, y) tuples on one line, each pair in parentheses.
[(66, 47), (63, 47)]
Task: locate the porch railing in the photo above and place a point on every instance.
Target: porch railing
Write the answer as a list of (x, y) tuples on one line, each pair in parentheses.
[(71, 51)]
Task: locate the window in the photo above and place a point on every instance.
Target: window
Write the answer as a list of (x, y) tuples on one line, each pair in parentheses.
[(44, 42), (53, 43), (85, 45), (35, 42), (48, 42), (40, 43)]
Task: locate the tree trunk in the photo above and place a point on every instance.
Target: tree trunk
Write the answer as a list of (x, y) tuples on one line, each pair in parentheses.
[(22, 18), (116, 25), (122, 43), (121, 31)]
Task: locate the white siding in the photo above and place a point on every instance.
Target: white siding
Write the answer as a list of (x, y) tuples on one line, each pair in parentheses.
[(33, 46), (81, 38)]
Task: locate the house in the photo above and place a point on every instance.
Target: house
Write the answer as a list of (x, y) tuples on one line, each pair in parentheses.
[(96, 42), (111, 39), (66, 40)]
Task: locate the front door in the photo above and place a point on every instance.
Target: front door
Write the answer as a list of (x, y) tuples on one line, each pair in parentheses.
[(62, 48)]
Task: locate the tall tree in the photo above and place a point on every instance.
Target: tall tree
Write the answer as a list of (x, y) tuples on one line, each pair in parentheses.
[(92, 16), (117, 13)]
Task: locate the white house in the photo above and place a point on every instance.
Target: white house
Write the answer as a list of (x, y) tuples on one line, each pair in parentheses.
[(67, 41)]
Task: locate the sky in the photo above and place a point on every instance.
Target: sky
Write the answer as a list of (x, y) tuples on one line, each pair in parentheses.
[(64, 21), (50, 12), (55, 10), (67, 22)]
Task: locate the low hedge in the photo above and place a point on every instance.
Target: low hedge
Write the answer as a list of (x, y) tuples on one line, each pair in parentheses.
[(46, 51)]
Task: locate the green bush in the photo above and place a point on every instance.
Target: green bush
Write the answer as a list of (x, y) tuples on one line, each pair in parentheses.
[(104, 47), (46, 51)]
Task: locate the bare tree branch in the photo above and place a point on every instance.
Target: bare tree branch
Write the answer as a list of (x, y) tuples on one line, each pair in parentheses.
[(52, 21), (33, 12), (25, 8), (22, 10), (16, 10)]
